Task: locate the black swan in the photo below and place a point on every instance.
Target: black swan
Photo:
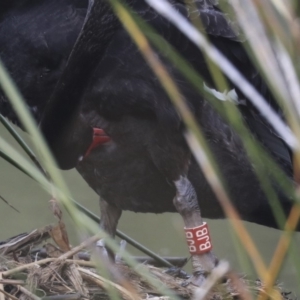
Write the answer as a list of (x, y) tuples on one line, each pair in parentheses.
[(104, 112)]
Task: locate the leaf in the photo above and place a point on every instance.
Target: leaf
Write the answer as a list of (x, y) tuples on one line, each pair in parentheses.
[(60, 236)]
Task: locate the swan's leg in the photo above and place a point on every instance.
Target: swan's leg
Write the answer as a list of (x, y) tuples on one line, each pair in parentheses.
[(186, 203)]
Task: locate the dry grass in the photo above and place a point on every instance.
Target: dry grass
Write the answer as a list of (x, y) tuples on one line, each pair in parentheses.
[(32, 266)]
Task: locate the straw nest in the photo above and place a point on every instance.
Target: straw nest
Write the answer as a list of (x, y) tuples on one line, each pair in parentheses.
[(41, 265)]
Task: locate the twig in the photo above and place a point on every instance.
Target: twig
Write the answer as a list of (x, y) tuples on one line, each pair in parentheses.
[(24, 267), (6, 202), (84, 244), (22, 240), (76, 296), (28, 293), (12, 282), (43, 262), (8, 295), (60, 258), (104, 283), (2, 297)]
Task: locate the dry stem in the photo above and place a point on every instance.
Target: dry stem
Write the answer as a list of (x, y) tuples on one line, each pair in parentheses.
[(28, 294), (104, 283)]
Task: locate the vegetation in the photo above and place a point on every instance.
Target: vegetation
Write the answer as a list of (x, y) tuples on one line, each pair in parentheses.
[(272, 35)]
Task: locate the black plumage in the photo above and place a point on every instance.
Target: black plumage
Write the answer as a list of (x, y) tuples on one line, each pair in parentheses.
[(111, 87)]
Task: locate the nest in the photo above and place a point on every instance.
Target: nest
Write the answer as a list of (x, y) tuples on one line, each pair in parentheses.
[(41, 265)]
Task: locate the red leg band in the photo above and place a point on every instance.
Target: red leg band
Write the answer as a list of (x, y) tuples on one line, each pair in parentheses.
[(198, 239)]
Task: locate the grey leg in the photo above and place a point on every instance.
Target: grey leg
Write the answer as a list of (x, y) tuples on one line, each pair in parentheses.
[(110, 216), (186, 204)]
